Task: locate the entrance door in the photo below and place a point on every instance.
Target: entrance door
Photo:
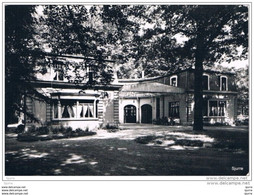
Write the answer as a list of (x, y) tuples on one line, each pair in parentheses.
[(130, 114), (146, 113)]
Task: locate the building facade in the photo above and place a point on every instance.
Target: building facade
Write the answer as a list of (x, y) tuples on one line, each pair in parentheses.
[(172, 96), (142, 100)]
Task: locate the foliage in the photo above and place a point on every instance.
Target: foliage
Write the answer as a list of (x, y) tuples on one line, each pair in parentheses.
[(19, 61), (20, 129), (111, 126), (212, 33), (242, 84), (242, 120), (164, 121), (34, 41), (155, 38), (90, 32), (145, 139), (192, 143), (48, 133)]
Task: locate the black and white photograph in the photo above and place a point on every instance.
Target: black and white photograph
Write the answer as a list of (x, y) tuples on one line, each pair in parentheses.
[(126, 90)]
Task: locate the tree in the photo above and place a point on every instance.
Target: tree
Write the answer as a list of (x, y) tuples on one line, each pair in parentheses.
[(31, 37), (242, 84), (100, 32), (19, 60), (213, 33)]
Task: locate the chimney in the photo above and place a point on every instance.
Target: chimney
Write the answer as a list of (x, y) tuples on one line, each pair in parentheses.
[(143, 74), (115, 77), (90, 77), (90, 74)]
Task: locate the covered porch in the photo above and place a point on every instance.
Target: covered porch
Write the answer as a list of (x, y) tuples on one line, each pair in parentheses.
[(145, 102)]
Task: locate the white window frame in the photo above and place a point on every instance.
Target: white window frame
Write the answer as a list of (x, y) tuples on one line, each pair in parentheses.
[(208, 80), (214, 100), (223, 76), (172, 77), (77, 103)]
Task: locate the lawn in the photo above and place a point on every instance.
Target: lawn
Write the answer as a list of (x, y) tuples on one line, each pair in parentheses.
[(122, 153)]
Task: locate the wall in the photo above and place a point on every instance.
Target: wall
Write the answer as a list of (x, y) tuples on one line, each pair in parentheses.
[(38, 108), (138, 102), (181, 79), (107, 108), (213, 81), (181, 98), (231, 110), (111, 108), (74, 124)]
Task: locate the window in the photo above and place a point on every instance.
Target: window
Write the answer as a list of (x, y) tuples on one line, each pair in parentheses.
[(217, 108), (58, 73), (74, 109), (205, 82), (223, 83), (173, 110), (173, 81)]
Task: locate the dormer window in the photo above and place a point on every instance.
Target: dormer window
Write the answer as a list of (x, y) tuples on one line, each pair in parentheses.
[(205, 82), (223, 83), (58, 73), (173, 81)]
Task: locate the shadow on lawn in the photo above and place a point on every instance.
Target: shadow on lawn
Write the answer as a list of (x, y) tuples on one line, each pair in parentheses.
[(126, 157), (32, 162), (222, 140)]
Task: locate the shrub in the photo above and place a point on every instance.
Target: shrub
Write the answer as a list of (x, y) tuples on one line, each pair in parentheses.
[(112, 130), (20, 129), (157, 121), (111, 126), (164, 121), (42, 130), (32, 130), (63, 130), (145, 139), (27, 137), (193, 143), (45, 133), (79, 130), (55, 130), (87, 129)]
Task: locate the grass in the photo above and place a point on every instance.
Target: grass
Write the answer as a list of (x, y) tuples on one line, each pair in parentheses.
[(127, 157)]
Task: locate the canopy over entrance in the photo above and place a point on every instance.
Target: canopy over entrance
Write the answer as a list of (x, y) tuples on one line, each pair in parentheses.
[(149, 89)]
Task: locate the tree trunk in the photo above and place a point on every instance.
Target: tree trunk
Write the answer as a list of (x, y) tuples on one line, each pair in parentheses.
[(198, 97), (198, 88)]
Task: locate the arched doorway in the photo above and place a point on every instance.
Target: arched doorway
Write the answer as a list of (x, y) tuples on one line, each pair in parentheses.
[(130, 114), (146, 113)]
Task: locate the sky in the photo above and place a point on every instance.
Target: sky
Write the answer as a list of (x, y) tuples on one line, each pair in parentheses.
[(236, 64)]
